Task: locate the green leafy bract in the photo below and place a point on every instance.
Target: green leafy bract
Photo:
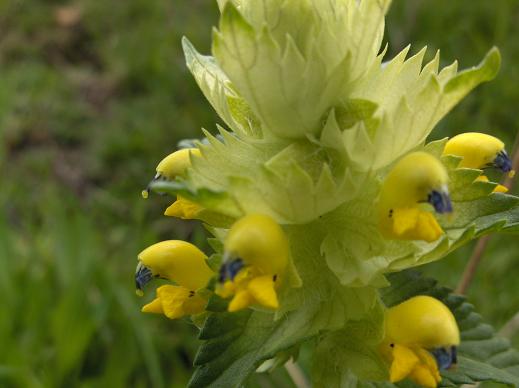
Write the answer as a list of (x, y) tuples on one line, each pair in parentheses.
[(291, 60), (411, 100)]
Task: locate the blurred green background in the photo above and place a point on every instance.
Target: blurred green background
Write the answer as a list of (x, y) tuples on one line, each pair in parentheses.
[(92, 95)]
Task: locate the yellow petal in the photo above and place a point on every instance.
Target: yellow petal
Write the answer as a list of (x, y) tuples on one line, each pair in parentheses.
[(405, 220), (241, 300), (415, 224), (262, 289), (183, 208), (176, 163), (195, 304), (178, 261), (154, 307), (421, 321), (244, 276), (226, 289), (404, 360), (428, 228), (428, 361), (477, 149), (421, 375), (172, 299), (498, 188)]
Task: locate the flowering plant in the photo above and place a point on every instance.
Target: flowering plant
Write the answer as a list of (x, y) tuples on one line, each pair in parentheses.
[(319, 188)]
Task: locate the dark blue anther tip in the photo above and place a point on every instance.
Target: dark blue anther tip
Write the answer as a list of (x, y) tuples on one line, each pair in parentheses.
[(503, 162), (445, 357), (230, 269), (441, 201), (143, 275)]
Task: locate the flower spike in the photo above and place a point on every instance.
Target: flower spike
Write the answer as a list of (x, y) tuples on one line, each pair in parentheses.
[(313, 194), (421, 336), (255, 259), (417, 178), (480, 151)]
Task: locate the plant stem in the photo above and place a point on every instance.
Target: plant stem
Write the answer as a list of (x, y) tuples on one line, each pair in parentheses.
[(479, 249), (472, 265), (296, 374)]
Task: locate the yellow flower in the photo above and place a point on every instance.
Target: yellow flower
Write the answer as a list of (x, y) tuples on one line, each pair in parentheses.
[(172, 166), (416, 179), (480, 151), (421, 336), (182, 263), (255, 259)]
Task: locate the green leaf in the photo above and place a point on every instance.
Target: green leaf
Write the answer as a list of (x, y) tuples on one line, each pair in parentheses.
[(351, 351)]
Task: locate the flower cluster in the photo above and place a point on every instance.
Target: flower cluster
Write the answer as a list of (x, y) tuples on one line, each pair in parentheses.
[(322, 184)]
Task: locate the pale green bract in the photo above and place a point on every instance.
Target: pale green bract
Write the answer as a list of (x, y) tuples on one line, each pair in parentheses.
[(314, 120)]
